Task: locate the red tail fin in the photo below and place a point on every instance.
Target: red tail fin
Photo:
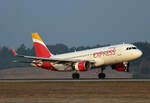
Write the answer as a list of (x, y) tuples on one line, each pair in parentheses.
[(40, 48)]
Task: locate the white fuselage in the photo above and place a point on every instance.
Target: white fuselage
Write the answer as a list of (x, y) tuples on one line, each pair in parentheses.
[(103, 56)]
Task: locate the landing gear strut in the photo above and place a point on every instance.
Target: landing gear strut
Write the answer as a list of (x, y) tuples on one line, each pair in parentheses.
[(102, 75), (126, 65), (75, 75)]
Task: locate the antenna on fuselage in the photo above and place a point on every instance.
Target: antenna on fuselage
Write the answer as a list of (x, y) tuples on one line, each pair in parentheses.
[(123, 42), (75, 50)]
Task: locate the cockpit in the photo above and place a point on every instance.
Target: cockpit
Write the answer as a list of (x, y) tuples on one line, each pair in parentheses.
[(131, 52), (130, 48)]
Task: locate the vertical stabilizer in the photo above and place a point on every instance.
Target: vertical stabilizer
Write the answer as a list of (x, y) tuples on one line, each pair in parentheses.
[(40, 48)]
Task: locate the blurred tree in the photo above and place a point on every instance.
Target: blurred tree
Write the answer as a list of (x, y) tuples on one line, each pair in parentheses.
[(145, 70), (58, 48), (22, 50)]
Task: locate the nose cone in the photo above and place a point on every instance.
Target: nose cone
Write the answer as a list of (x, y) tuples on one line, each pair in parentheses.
[(139, 53)]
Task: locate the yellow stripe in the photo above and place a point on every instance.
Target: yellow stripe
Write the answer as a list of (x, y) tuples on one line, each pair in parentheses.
[(36, 36)]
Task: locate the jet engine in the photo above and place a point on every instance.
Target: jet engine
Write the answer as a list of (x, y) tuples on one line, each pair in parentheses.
[(82, 66), (121, 67)]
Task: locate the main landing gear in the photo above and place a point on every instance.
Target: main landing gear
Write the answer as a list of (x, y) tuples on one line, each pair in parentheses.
[(75, 75), (102, 75)]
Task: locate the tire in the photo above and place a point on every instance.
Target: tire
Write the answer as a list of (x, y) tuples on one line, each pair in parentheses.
[(101, 75), (75, 76)]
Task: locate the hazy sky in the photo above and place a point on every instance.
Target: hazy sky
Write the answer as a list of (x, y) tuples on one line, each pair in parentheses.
[(74, 22)]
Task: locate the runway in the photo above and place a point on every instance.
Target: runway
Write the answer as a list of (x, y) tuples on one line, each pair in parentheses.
[(75, 91), (71, 80)]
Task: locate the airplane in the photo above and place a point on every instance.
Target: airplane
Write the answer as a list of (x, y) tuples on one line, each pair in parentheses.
[(116, 56)]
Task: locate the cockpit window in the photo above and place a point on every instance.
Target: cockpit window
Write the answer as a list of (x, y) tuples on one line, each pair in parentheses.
[(130, 48), (133, 47)]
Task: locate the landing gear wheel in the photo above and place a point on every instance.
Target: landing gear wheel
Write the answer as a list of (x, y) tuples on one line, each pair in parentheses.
[(75, 76), (101, 75)]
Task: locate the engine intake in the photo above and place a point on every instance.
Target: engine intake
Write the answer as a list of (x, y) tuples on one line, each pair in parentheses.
[(82, 66)]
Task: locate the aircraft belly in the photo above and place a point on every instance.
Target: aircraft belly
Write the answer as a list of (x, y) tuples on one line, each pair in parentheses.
[(63, 68)]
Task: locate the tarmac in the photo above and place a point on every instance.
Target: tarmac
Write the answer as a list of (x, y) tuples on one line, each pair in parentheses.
[(92, 90), (72, 80)]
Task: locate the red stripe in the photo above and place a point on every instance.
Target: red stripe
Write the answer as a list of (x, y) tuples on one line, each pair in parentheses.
[(47, 66)]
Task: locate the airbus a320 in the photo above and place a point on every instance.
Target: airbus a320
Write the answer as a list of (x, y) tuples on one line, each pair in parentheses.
[(116, 56)]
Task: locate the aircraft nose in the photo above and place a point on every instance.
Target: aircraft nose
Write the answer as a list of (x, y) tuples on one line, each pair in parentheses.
[(139, 53)]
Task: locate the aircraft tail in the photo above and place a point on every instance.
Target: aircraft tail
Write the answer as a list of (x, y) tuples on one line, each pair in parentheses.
[(40, 48)]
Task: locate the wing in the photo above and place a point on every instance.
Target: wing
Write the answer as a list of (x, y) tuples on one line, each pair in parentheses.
[(52, 59)]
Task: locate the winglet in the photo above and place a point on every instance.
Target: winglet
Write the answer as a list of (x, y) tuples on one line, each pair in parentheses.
[(13, 51)]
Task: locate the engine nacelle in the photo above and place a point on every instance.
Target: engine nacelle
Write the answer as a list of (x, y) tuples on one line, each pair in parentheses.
[(82, 66), (120, 67)]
